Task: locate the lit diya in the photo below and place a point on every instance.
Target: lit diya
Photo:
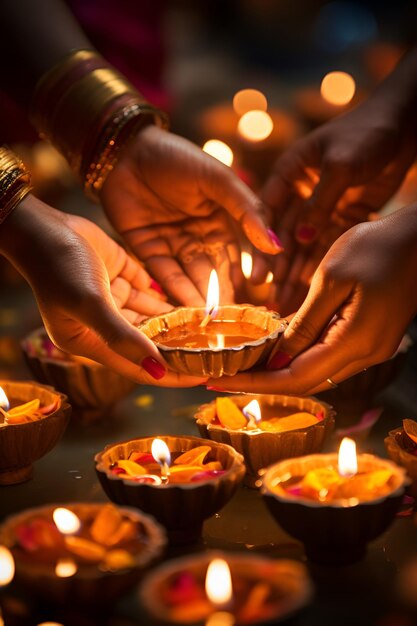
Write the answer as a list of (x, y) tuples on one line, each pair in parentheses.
[(335, 504), (89, 386), (32, 419), (266, 429), (82, 552), (218, 589), (181, 481), (401, 446), (215, 340)]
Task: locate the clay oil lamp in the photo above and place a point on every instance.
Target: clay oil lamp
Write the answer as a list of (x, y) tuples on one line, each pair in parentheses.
[(218, 589), (266, 429), (401, 447), (334, 504), (80, 553), (91, 388), (33, 418), (215, 340), (181, 481)]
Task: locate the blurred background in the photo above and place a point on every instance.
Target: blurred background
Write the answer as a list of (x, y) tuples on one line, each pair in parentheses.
[(252, 74)]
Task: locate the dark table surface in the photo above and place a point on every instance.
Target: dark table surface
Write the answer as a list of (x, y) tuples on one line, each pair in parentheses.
[(365, 593)]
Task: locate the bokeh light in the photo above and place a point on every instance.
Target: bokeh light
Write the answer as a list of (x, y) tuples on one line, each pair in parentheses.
[(219, 150), (249, 100), (338, 88), (255, 125)]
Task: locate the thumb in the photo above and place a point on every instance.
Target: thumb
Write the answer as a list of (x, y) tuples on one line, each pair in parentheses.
[(308, 324), (334, 181), (227, 190)]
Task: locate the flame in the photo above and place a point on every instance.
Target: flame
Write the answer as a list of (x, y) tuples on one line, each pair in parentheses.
[(66, 521), (269, 278), (255, 125), (213, 295), (247, 100), (50, 624), (4, 401), (219, 582), (252, 410), (246, 262), (219, 150), (65, 568), (160, 452), (347, 462), (6, 566), (338, 88)]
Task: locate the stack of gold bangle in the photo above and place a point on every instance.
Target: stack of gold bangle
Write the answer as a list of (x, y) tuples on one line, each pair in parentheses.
[(14, 182), (87, 110)]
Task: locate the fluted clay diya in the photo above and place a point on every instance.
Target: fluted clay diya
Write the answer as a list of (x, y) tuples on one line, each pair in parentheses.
[(219, 589), (89, 386), (266, 429), (81, 552), (181, 481), (401, 446), (215, 340), (32, 419), (334, 505)]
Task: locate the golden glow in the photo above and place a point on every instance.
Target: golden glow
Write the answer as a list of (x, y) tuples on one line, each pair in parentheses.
[(246, 262), (252, 410), (213, 294), (219, 582), (66, 521), (255, 125), (6, 566), (50, 624), (347, 462), (4, 401), (249, 100), (269, 278), (338, 88), (219, 150), (65, 568), (160, 452)]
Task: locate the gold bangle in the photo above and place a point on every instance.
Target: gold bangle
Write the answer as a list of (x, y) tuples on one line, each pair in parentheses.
[(86, 107), (14, 182)]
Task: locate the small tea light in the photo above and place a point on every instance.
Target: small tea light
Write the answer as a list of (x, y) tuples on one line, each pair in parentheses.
[(225, 589), (7, 566), (219, 150), (344, 500), (67, 522), (214, 340), (257, 294)]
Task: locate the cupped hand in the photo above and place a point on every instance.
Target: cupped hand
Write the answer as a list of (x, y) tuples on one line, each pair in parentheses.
[(180, 210), (90, 292), (360, 302)]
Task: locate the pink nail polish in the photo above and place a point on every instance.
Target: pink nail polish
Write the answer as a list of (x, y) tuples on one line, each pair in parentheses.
[(153, 367), (156, 286), (275, 239), (209, 388), (278, 361), (306, 233)]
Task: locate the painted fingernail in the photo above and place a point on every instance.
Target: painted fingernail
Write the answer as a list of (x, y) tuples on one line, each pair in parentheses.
[(153, 367), (306, 233), (156, 286), (210, 388), (275, 239), (278, 361)]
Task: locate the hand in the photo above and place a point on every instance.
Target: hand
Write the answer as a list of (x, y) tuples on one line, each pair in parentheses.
[(178, 209), (331, 180), (360, 302), (89, 291)]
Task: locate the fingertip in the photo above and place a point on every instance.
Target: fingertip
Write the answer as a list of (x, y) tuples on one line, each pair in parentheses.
[(260, 235)]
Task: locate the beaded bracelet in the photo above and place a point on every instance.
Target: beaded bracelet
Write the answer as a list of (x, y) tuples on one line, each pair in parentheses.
[(14, 182), (87, 109)]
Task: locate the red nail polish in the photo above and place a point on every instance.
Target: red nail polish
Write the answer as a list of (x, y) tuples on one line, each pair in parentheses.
[(306, 233), (278, 361), (275, 239), (156, 286), (153, 367)]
